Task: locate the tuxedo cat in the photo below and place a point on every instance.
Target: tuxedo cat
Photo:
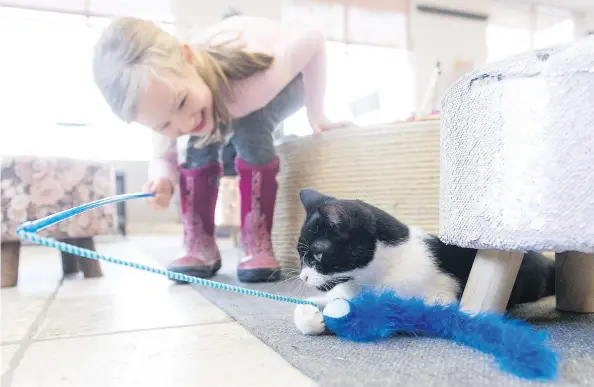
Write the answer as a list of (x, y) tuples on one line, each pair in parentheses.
[(345, 244)]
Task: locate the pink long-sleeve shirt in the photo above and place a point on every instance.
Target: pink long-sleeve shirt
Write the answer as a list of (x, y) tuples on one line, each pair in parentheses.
[(296, 50)]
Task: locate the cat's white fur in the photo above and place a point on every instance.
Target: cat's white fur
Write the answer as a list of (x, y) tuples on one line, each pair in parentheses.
[(408, 268)]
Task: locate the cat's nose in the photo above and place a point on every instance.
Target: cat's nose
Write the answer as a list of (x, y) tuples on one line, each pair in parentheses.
[(304, 277)]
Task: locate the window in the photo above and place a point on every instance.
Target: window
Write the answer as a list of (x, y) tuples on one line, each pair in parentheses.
[(553, 26), (516, 28), (369, 77), (366, 84), (504, 41), (52, 106)]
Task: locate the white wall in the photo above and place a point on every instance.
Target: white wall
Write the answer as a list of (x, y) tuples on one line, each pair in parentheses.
[(447, 39), (194, 15), (585, 23)]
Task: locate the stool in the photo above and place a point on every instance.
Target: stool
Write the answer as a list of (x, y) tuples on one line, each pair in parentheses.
[(517, 150), (34, 187)]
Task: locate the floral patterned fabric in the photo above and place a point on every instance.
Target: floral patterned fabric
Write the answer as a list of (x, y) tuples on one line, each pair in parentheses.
[(33, 187)]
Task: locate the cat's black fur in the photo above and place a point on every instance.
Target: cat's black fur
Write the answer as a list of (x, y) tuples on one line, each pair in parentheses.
[(346, 232)]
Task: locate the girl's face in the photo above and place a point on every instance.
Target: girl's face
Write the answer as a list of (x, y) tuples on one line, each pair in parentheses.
[(175, 106)]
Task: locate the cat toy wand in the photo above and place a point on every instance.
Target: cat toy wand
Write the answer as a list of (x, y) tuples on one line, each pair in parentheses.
[(29, 230)]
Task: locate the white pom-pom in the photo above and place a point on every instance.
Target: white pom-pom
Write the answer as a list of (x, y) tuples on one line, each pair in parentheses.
[(337, 308)]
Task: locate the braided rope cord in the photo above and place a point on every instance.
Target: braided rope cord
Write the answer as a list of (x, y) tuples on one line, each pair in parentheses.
[(28, 231)]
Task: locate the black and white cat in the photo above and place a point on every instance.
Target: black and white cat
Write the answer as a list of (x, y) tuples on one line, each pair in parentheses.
[(345, 244)]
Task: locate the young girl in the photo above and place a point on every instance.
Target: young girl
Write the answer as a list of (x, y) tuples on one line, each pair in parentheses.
[(244, 77)]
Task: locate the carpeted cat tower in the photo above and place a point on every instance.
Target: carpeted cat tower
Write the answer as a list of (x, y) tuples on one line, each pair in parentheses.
[(394, 166), (517, 172)]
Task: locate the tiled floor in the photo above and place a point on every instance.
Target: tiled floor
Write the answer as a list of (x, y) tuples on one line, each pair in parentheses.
[(129, 328)]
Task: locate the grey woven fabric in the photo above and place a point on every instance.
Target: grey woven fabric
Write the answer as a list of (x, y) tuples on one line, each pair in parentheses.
[(401, 361), (517, 149)]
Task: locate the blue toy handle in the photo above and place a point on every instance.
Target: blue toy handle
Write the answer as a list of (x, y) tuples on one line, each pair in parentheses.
[(40, 224)]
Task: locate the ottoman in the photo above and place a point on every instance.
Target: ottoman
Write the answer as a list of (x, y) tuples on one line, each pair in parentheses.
[(33, 187), (517, 152)]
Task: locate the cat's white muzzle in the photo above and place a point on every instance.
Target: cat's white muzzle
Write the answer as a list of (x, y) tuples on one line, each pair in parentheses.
[(312, 277)]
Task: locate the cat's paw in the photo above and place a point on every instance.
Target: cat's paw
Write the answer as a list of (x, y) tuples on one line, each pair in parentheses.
[(309, 320)]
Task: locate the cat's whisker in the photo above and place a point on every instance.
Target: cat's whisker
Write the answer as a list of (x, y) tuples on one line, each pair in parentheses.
[(292, 273), (363, 284), (295, 281), (283, 281), (301, 288), (298, 283), (271, 274), (296, 292)]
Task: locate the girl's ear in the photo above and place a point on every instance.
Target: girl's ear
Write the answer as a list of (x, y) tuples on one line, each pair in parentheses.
[(188, 54)]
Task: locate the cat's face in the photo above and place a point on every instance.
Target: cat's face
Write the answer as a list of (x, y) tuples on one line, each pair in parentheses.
[(337, 238)]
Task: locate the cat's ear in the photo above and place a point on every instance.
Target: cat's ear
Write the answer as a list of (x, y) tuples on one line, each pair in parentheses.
[(310, 197), (334, 215)]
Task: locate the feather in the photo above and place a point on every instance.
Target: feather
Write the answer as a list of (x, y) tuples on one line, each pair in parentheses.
[(373, 315)]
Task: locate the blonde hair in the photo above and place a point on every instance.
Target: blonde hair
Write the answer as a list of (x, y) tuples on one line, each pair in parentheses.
[(130, 49)]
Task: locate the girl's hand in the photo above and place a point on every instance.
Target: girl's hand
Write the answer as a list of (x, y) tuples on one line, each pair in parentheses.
[(327, 125), (163, 190)]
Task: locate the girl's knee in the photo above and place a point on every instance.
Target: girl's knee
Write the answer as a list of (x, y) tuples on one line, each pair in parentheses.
[(199, 157), (258, 156), (256, 150)]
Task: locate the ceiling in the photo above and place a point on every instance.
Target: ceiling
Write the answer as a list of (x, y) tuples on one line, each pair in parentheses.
[(575, 5)]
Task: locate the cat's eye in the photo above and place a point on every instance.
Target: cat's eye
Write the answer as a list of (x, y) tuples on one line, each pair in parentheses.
[(318, 257)]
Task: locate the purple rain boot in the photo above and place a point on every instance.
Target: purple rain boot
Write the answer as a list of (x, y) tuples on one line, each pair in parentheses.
[(258, 187), (199, 189)]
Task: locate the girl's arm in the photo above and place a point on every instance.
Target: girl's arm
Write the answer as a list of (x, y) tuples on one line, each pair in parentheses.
[(302, 51), (163, 164)]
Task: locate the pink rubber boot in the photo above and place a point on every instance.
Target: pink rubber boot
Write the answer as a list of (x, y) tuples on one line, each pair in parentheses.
[(198, 194), (257, 186)]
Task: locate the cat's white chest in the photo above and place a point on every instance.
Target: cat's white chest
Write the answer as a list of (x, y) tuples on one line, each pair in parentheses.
[(411, 270)]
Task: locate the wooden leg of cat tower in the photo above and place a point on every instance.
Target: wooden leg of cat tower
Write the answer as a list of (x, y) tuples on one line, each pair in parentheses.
[(574, 282), (491, 281)]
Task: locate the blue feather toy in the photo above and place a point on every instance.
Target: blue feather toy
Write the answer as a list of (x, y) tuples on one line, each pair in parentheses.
[(373, 315)]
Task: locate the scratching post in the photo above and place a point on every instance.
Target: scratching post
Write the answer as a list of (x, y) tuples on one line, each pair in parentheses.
[(392, 166)]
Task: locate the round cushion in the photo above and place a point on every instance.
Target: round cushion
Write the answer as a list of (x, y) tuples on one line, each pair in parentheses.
[(517, 152)]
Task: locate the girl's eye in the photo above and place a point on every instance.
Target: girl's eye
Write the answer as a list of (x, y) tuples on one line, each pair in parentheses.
[(182, 102)]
